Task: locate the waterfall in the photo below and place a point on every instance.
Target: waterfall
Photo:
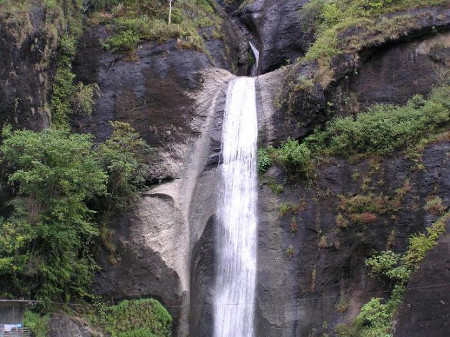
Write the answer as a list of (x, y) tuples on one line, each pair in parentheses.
[(256, 53), (237, 219)]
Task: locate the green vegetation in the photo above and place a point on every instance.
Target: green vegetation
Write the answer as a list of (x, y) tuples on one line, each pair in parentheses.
[(123, 158), (68, 97), (332, 21), (264, 160), (44, 243), (134, 21), (295, 158), (37, 324), (61, 182), (382, 129), (435, 206), (138, 318)]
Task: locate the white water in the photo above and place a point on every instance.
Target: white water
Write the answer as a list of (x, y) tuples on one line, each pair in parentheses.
[(236, 235), (256, 53)]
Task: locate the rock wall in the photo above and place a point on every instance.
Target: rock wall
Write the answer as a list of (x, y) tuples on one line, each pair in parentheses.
[(276, 26), (62, 325), (299, 290), (27, 55)]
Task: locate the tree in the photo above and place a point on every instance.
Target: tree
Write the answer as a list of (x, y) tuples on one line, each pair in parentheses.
[(170, 11), (44, 250), (123, 157)]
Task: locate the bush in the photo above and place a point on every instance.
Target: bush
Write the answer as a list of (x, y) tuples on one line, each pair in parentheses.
[(44, 243), (124, 41), (123, 157), (37, 324), (295, 158), (383, 129), (145, 317), (61, 182), (264, 160)]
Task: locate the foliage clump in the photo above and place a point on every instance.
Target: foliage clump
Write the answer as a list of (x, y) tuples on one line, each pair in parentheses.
[(383, 129), (133, 22), (38, 324), (294, 157), (123, 156), (68, 97), (137, 318), (44, 243), (264, 160), (62, 183)]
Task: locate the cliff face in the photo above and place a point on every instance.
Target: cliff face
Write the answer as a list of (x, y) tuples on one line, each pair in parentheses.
[(168, 96), (27, 54), (175, 98), (299, 291)]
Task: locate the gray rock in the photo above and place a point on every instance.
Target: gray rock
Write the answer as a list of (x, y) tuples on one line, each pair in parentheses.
[(295, 295), (278, 30), (27, 56), (62, 325)]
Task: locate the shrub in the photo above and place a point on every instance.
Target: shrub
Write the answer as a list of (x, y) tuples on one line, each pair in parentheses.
[(124, 41), (145, 317), (61, 182), (37, 324), (295, 158), (383, 129), (376, 318), (44, 243), (264, 160), (383, 262), (123, 157), (84, 97)]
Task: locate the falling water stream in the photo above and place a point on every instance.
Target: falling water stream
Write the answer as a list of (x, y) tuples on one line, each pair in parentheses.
[(256, 54), (237, 219)]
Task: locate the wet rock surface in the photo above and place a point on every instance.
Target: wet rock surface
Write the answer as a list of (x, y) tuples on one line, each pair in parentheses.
[(276, 26)]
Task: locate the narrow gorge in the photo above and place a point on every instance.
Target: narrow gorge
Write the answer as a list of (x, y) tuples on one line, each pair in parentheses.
[(255, 168)]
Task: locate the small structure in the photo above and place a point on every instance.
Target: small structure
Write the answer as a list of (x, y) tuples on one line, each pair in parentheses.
[(11, 318)]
